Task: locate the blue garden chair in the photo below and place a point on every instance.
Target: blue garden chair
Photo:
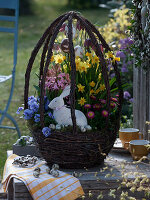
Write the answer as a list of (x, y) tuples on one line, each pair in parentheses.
[(13, 5)]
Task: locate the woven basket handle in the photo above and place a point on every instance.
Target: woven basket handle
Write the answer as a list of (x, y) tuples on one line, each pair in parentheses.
[(49, 37), (35, 51)]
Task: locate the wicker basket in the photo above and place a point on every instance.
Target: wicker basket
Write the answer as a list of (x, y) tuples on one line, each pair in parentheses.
[(72, 149)]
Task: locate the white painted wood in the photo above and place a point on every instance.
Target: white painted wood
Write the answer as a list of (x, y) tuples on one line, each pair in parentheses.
[(141, 91), (141, 96)]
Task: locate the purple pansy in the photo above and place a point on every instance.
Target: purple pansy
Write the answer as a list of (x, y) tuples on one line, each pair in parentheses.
[(120, 54), (131, 100), (124, 69), (126, 95), (46, 131), (125, 43)]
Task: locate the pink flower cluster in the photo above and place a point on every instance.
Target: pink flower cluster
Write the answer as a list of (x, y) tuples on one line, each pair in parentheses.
[(99, 106), (56, 80)]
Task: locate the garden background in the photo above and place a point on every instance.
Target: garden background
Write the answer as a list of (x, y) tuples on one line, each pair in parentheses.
[(31, 27)]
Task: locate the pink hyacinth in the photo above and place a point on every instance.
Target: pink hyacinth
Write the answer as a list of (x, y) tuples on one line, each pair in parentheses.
[(105, 113), (55, 79), (91, 114)]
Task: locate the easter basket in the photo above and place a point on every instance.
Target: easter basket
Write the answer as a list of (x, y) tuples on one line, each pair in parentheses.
[(80, 132)]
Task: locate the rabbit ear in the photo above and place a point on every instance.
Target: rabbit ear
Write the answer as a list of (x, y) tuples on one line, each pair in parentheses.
[(65, 92)]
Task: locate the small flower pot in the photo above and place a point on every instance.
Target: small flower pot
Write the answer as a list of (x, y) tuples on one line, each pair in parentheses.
[(26, 150)]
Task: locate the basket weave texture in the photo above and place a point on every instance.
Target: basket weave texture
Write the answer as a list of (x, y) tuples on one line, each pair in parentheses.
[(72, 149)]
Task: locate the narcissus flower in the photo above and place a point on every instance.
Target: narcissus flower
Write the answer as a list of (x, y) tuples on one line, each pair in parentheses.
[(105, 113), (102, 87), (90, 114), (59, 58), (91, 91), (87, 106), (92, 83), (88, 55), (52, 58), (110, 55), (80, 88), (81, 101)]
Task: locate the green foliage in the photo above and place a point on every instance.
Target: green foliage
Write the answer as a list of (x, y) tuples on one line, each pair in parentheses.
[(83, 4), (26, 7)]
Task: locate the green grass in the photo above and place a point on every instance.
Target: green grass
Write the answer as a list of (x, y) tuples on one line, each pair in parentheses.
[(30, 31)]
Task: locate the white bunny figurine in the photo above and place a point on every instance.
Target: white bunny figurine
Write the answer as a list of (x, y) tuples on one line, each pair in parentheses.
[(62, 115)]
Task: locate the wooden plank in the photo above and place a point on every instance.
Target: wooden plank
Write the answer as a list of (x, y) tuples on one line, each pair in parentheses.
[(11, 190), (94, 179)]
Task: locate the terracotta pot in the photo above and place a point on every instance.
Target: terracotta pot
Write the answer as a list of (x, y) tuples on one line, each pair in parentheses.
[(138, 149), (128, 134)]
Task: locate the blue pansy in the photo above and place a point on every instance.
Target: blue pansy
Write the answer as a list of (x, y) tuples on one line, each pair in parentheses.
[(46, 131), (46, 103), (32, 98), (37, 117), (34, 107), (50, 115), (28, 114), (19, 109)]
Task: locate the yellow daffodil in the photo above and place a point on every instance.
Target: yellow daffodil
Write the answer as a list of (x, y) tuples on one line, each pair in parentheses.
[(117, 58), (102, 87), (77, 61), (89, 65), (59, 58), (109, 54), (97, 91), (81, 101), (91, 91), (80, 88), (52, 58), (100, 76), (95, 59), (65, 68), (83, 67), (92, 84), (88, 55)]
